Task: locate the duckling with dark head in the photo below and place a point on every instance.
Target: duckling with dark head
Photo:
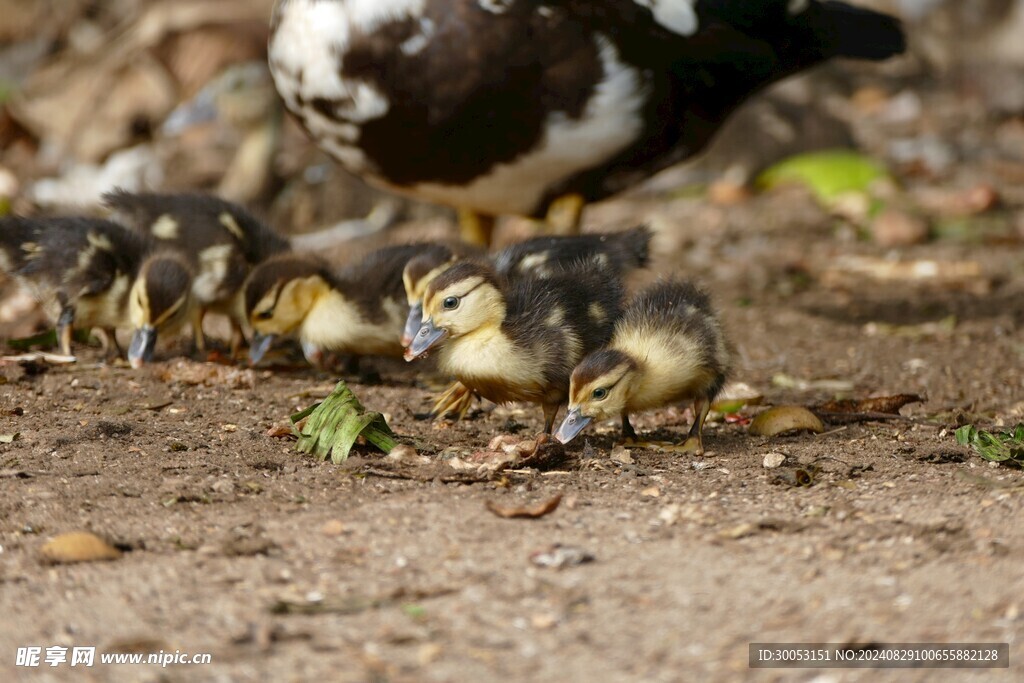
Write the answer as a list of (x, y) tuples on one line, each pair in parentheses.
[(667, 347), (88, 272), (518, 340), (221, 240), (357, 310), (538, 257)]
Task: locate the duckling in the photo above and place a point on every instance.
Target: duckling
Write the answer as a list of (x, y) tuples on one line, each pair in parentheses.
[(538, 257), (667, 347), (517, 340), (357, 310), (222, 240), (93, 273)]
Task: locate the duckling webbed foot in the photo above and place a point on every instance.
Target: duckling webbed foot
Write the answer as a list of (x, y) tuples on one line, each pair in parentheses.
[(454, 403)]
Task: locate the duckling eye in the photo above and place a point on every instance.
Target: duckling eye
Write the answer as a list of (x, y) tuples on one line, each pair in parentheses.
[(451, 303), (600, 393), (265, 315)]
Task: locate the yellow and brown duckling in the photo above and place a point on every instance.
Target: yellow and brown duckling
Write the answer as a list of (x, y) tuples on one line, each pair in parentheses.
[(619, 252), (222, 241), (668, 347), (88, 272), (517, 340), (357, 310)]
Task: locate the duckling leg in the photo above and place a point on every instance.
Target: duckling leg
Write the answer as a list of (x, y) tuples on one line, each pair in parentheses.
[(198, 340), (628, 433), (108, 342), (65, 329), (237, 338), (694, 439), (455, 401), (550, 412), (563, 216), (476, 228)]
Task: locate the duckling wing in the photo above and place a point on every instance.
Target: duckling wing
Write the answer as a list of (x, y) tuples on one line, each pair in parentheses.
[(563, 317), (83, 254), (375, 284)]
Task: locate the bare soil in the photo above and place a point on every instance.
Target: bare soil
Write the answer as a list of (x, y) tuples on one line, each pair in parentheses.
[(288, 569)]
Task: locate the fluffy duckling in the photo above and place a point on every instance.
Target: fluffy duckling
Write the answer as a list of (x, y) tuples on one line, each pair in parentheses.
[(518, 340), (667, 347), (620, 252), (93, 273), (537, 257), (357, 310), (221, 239)]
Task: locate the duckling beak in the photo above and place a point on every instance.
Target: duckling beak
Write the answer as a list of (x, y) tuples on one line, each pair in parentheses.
[(259, 346), (426, 338), (572, 425), (140, 351), (412, 323)]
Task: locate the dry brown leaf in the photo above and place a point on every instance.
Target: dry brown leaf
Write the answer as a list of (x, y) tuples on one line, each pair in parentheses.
[(78, 546), (785, 420), (281, 430), (880, 404), (208, 374), (91, 103), (524, 511)]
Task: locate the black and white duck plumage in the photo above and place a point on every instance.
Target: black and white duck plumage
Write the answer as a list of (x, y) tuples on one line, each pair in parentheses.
[(504, 106)]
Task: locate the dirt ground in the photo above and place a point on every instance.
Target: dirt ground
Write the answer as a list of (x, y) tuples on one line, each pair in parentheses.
[(283, 568), (288, 569)]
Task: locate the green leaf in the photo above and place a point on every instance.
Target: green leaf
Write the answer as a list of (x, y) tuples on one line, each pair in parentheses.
[(333, 425), (828, 173), (1006, 447)]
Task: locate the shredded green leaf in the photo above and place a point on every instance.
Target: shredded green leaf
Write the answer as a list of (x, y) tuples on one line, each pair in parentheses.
[(333, 425), (1005, 447)]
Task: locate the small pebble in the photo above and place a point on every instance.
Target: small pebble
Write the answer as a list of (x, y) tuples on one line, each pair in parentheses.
[(897, 228)]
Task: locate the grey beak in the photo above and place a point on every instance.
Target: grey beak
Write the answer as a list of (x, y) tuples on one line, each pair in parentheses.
[(140, 351), (259, 346), (572, 425), (202, 109), (412, 323), (427, 337)]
